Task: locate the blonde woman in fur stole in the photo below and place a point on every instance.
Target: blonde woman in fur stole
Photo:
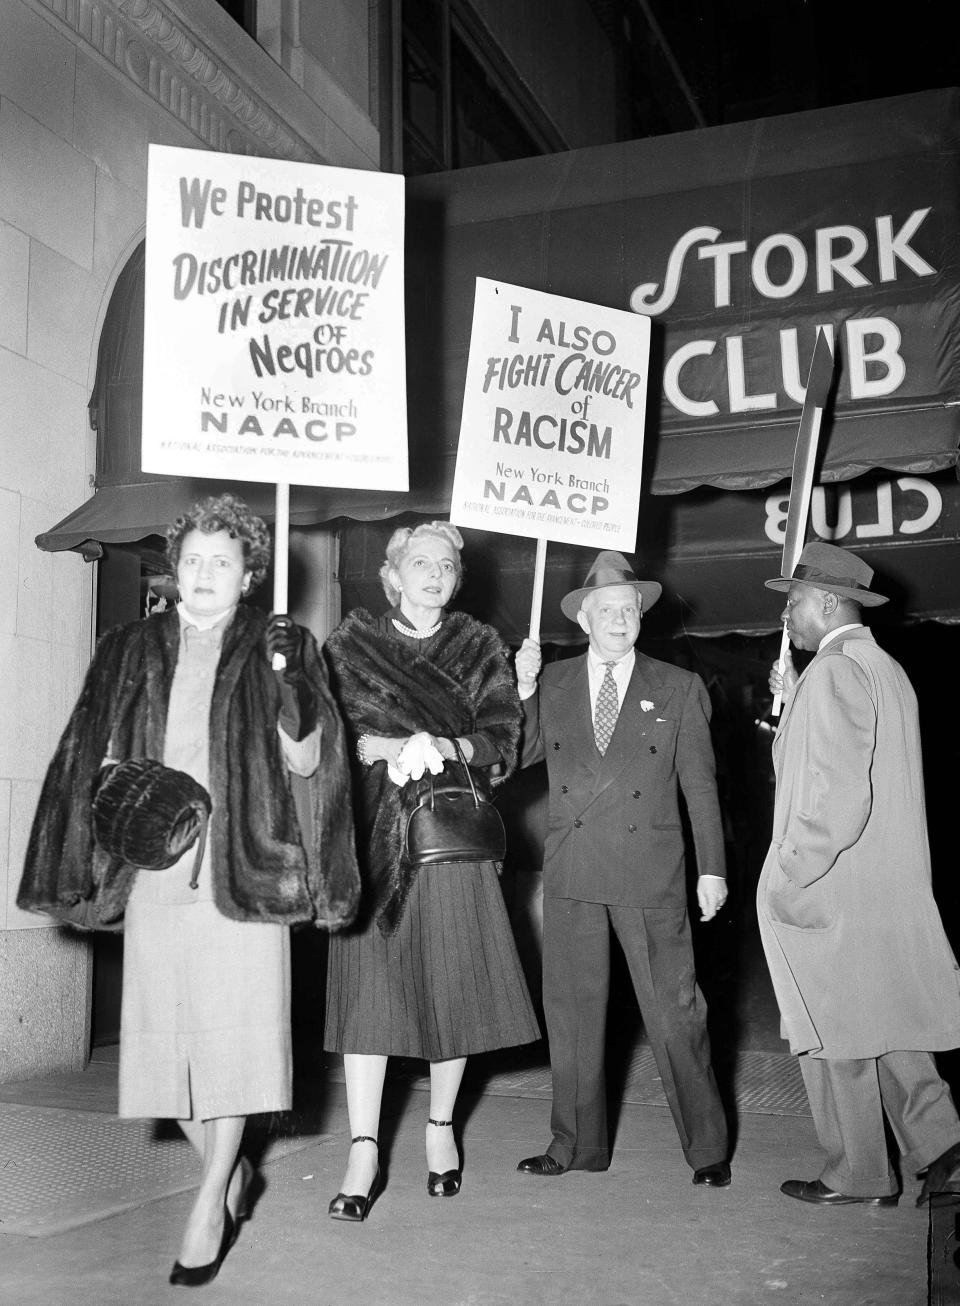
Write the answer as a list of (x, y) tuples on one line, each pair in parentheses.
[(205, 1021), (430, 969)]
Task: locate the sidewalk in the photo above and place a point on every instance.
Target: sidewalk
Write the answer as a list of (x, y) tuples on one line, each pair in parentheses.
[(640, 1233)]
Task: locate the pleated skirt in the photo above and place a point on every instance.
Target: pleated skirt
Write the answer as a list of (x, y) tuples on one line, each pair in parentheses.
[(205, 1014), (447, 984)]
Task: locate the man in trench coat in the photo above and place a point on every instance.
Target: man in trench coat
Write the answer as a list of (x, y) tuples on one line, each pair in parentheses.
[(614, 859), (864, 976)]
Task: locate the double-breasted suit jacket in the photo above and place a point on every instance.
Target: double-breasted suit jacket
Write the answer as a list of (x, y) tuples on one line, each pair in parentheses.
[(614, 830), (856, 948), (614, 857)]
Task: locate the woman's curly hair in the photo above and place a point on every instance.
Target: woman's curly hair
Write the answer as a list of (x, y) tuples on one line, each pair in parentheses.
[(224, 512), (401, 540)]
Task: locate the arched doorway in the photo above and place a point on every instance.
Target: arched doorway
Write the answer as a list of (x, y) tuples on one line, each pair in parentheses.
[(130, 581)]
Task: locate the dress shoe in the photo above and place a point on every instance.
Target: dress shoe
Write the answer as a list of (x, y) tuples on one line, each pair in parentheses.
[(541, 1165), (195, 1276), (356, 1206), (813, 1190), (448, 1183), (444, 1185), (714, 1176), (942, 1175)]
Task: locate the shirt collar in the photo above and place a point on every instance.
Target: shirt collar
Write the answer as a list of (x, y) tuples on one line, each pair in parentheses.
[(219, 622), (831, 635), (597, 663)]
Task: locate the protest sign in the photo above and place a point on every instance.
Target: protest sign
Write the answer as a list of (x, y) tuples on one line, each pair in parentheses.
[(551, 437), (801, 482), (274, 329)]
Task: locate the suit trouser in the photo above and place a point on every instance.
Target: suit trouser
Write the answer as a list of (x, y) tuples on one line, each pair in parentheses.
[(576, 982), (848, 1100)]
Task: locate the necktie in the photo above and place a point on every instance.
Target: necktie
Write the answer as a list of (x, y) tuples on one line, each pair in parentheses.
[(608, 705)]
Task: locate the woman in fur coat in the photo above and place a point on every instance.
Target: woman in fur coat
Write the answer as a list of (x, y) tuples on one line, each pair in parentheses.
[(430, 969), (205, 1017)]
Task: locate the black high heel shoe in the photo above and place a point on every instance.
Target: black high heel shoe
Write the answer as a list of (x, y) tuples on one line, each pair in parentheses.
[(448, 1183), (355, 1206), (195, 1276)]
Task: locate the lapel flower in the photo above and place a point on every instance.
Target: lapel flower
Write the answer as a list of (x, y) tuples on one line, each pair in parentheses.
[(646, 705)]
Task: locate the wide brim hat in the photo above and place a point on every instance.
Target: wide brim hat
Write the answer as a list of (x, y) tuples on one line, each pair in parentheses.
[(827, 567), (610, 568)]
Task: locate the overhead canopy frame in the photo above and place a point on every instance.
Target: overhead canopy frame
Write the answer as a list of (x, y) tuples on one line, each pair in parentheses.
[(785, 198)]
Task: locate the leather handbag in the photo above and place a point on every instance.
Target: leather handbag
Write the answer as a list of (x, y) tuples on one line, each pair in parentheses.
[(149, 815), (453, 820)]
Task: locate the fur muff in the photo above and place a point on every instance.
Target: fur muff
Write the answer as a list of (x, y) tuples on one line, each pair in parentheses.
[(465, 686), (282, 847)]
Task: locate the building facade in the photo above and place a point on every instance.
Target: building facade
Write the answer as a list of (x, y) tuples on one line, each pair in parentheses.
[(85, 87)]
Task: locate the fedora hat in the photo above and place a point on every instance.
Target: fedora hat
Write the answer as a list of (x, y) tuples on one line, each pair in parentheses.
[(827, 567), (610, 568)]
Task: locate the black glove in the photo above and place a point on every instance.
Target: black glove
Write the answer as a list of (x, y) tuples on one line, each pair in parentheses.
[(286, 637), (298, 704)]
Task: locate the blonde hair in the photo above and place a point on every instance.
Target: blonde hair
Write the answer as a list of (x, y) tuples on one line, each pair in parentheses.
[(400, 542)]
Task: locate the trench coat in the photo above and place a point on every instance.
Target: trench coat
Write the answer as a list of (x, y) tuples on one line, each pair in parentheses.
[(856, 948)]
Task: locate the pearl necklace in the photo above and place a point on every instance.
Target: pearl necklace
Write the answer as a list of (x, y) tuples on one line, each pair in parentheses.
[(416, 634)]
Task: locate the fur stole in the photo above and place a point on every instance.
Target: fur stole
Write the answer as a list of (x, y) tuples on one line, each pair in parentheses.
[(282, 846), (464, 686)]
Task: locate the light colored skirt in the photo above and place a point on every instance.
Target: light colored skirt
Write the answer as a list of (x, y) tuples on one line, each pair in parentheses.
[(205, 1016)]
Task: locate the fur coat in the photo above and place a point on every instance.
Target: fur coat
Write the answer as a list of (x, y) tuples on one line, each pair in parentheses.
[(282, 846), (465, 686)]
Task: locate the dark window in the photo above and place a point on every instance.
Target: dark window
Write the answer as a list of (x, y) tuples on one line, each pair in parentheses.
[(456, 111), (243, 12), (425, 87), (484, 129)]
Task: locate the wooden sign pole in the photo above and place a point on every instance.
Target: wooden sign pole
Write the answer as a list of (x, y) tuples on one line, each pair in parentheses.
[(281, 558), (801, 481), (536, 603)]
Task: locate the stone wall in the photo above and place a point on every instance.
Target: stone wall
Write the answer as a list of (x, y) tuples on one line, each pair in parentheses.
[(84, 88)]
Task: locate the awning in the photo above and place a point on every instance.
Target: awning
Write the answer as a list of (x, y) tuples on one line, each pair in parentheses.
[(125, 513), (739, 241), (129, 505), (712, 551), (847, 217)]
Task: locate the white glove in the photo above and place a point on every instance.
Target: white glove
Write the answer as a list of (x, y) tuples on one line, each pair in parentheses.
[(419, 754)]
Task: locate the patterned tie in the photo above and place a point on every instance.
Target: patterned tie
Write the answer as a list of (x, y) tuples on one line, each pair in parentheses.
[(608, 705)]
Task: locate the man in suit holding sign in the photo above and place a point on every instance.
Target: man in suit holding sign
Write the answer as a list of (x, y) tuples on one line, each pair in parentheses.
[(622, 734)]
